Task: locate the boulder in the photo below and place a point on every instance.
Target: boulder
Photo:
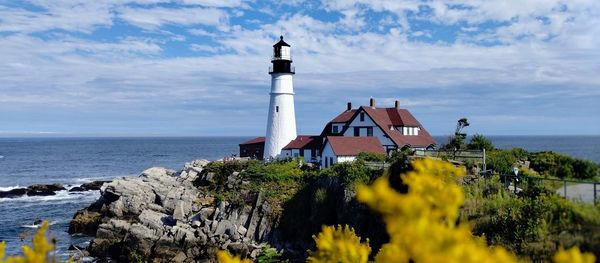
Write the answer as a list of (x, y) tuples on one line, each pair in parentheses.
[(77, 189), (95, 185), (44, 189), (14, 193), (85, 222)]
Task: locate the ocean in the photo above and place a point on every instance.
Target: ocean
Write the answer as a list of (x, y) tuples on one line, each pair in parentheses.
[(73, 161)]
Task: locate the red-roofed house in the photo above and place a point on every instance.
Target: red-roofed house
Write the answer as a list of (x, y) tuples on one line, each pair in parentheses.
[(396, 128), (307, 146), (338, 149)]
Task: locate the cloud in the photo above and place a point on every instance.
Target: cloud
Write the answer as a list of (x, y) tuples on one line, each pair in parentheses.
[(153, 18), (152, 62)]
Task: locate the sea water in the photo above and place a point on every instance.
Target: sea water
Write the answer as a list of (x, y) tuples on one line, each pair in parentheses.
[(73, 161)]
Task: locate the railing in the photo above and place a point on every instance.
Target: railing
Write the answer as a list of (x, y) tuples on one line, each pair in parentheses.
[(586, 191)]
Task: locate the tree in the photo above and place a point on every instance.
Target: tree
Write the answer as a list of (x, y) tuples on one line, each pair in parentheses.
[(456, 142), (479, 142)]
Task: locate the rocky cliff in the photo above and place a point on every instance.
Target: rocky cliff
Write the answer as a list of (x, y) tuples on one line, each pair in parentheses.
[(168, 216)]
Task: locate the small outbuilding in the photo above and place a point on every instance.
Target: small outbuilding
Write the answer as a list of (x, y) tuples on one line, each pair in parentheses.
[(339, 149), (253, 148)]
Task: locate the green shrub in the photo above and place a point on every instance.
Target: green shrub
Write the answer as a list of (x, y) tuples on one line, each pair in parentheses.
[(351, 173), (371, 157), (534, 223), (479, 142), (559, 165), (273, 171)]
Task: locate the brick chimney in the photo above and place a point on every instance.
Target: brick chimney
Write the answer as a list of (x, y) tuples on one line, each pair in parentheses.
[(397, 104), (349, 107), (372, 103)]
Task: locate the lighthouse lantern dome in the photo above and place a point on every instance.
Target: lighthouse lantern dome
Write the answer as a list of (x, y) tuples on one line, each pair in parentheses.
[(281, 50)]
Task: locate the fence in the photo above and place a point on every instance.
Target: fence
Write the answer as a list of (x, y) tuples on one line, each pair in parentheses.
[(585, 191)]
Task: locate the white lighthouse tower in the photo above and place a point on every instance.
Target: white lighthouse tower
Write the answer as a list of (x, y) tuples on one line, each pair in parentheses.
[(281, 124)]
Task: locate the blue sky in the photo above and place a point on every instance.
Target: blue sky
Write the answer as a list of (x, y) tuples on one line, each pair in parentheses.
[(199, 67)]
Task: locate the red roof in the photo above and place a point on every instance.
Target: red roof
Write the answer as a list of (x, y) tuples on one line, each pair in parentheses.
[(352, 146), (301, 142), (344, 116), (387, 117), (255, 140)]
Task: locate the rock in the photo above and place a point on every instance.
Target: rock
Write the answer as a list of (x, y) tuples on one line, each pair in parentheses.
[(85, 222), (14, 193), (157, 172), (180, 211), (44, 189), (242, 230), (77, 189), (114, 229), (154, 220), (179, 258), (95, 185), (76, 248)]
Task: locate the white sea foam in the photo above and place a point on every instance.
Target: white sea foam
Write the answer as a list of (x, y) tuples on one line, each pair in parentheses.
[(38, 225), (101, 178), (8, 188), (60, 198)]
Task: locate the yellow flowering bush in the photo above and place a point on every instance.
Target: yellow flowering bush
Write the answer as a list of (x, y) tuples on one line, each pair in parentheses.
[(339, 244), (225, 257), (422, 224), (37, 253)]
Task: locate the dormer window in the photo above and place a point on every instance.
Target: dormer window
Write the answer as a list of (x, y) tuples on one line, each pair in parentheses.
[(408, 130), (335, 129), (362, 116)]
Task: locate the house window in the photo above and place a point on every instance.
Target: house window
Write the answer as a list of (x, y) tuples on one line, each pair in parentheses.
[(276, 108), (362, 116), (330, 160), (335, 129), (326, 162), (369, 131), (356, 131)]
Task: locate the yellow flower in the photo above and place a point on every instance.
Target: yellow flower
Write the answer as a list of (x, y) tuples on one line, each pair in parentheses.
[(573, 255), (39, 251), (422, 223), (224, 257), (339, 244), (2, 248)]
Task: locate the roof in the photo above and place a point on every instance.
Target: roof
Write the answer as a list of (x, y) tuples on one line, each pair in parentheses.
[(255, 140), (352, 146), (281, 43), (344, 116), (387, 117), (302, 141)]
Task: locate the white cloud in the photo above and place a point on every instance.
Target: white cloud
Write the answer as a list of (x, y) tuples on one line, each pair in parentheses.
[(153, 18)]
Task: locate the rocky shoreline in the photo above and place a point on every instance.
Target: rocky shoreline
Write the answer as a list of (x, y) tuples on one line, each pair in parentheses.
[(162, 215)]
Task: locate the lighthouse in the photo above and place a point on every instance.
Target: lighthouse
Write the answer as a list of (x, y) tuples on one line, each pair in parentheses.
[(281, 123)]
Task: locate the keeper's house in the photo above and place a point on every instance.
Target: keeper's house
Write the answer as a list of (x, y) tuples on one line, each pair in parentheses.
[(355, 130)]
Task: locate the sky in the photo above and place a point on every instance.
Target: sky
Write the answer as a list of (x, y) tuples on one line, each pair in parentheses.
[(200, 67)]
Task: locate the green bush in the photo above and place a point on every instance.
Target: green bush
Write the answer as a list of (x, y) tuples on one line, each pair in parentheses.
[(274, 171), (351, 173), (559, 165), (371, 157), (479, 142), (534, 223)]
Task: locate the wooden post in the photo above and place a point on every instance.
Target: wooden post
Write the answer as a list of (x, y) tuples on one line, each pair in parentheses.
[(595, 192)]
